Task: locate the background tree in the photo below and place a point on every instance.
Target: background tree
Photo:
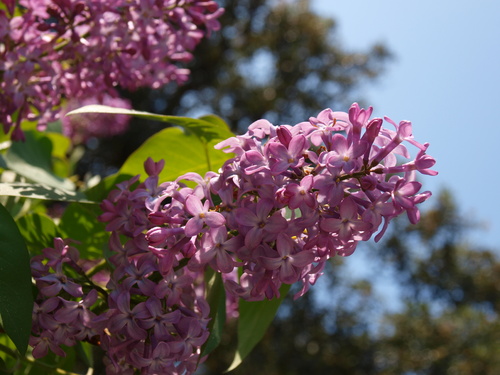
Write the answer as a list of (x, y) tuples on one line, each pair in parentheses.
[(451, 291), (277, 60)]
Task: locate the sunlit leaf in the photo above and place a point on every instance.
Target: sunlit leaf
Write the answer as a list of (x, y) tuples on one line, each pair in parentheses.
[(182, 152), (16, 299)]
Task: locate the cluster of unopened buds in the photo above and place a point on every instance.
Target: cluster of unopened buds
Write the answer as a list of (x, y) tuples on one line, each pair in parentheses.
[(291, 198), (51, 50)]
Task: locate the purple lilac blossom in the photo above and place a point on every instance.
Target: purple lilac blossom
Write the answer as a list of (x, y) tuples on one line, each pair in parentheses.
[(55, 50), (314, 191), (324, 184)]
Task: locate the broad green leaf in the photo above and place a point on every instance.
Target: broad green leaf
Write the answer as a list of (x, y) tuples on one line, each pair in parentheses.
[(79, 222), (16, 299), (32, 159), (38, 231), (217, 300), (209, 127), (254, 319), (45, 192), (223, 129), (182, 152)]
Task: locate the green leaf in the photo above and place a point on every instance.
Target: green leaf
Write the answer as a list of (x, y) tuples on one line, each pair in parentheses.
[(61, 165), (254, 318), (208, 127), (182, 152), (84, 353), (223, 129), (33, 160), (38, 231), (16, 299), (45, 192), (216, 298), (3, 367), (79, 222)]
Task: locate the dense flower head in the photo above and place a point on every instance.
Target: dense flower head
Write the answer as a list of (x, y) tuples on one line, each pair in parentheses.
[(147, 319), (51, 50), (291, 198)]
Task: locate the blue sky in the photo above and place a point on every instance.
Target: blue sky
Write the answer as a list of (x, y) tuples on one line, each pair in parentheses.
[(444, 78)]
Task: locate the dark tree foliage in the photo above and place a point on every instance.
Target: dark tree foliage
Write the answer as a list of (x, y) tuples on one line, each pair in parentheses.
[(274, 60), (448, 322), (435, 263)]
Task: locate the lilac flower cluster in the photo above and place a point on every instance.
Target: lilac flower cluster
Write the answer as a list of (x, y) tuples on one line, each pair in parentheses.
[(145, 321), (291, 198), (55, 49), (62, 312)]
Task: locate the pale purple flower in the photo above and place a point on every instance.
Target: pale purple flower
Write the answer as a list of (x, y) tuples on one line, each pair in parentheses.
[(201, 216), (289, 260), (51, 284), (160, 320), (291, 198), (290, 156), (41, 345), (348, 226), (217, 250), (259, 223), (124, 319), (300, 195)]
